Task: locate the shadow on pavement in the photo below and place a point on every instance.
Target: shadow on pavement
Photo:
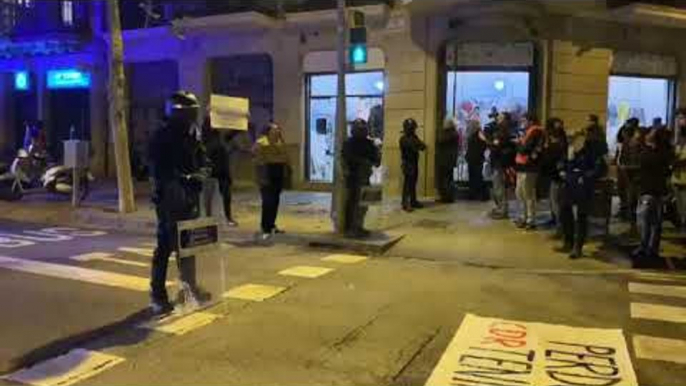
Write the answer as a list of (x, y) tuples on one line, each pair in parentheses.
[(117, 334)]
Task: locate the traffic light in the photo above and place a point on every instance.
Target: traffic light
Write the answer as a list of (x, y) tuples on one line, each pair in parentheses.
[(358, 38)]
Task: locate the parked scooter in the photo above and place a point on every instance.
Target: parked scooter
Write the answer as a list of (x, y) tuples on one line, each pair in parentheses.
[(10, 185)]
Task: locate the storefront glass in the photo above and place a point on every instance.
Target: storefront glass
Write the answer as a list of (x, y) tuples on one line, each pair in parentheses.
[(364, 100), (636, 97)]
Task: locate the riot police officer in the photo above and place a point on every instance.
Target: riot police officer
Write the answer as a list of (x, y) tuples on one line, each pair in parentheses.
[(177, 168), (360, 156)]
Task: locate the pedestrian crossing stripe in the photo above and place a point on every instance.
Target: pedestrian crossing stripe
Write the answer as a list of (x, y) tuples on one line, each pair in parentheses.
[(147, 252), (660, 349), (658, 312), (74, 367), (107, 258), (254, 292), (92, 276), (306, 272), (345, 259), (184, 325), (660, 290)]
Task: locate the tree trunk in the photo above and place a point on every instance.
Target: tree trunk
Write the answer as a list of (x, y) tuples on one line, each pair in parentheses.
[(117, 111), (338, 214)]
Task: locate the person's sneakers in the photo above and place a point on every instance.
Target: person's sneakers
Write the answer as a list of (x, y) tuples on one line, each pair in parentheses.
[(408, 209), (278, 231), (417, 205), (265, 236), (232, 223), (161, 307), (576, 254)]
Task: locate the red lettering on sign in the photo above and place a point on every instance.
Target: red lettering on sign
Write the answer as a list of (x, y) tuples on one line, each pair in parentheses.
[(508, 335)]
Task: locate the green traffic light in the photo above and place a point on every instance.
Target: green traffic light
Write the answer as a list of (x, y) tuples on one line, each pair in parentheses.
[(358, 54)]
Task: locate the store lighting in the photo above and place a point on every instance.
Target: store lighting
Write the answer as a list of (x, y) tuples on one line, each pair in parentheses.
[(380, 85), (21, 81), (499, 85)]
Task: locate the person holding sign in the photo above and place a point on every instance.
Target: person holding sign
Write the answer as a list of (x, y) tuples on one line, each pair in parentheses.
[(271, 158)]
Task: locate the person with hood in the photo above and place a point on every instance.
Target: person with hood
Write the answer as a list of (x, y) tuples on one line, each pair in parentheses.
[(502, 155), (476, 149), (360, 156), (579, 169), (271, 158), (527, 164), (447, 152), (218, 154), (410, 147), (554, 153), (178, 172), (656, 160)]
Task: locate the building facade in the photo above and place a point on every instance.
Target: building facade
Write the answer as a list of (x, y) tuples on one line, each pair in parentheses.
[(428, 59)]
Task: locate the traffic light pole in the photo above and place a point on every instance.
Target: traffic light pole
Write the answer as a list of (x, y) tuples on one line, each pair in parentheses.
[(338, 214)]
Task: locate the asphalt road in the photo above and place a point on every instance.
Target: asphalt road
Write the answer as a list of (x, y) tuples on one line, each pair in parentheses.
[(381, 321)]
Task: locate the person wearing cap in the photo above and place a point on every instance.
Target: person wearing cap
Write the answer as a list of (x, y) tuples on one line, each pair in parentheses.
[(178, 171), (410, 147), (360, 156)]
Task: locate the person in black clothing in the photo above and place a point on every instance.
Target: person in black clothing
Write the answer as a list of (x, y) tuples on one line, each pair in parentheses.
[(360, 156), (219, 156), (271, 157), (476, 148), (656, 160), (625, 136), (176, 163), (501, 144), (579, 170), (410, 147), (553, 154), (447, 152)]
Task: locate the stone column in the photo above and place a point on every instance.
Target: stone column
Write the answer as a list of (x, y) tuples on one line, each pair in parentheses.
[(7, 126)]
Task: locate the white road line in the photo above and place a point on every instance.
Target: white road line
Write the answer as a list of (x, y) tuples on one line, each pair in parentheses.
[(74, 367), (661, 290), (660, 349), (129, 282), (345, 259), (254, 292), (107, 257), (185, 324), (658, 312), (306, 272), (147, 252)]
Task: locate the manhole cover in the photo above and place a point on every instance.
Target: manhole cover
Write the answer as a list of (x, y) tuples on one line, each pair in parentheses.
[(432, 224)]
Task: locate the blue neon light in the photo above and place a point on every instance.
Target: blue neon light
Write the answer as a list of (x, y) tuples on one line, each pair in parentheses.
[(21, 81), (68, 79)]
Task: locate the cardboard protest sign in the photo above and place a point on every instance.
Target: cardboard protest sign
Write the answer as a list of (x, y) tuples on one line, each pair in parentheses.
[(487, 351), (229, 113)]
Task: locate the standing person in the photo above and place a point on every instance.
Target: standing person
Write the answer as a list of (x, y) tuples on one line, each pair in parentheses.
[(579, 169), (527, 161), (629, 166), (177, 171), (655, 167), (624, 138), (219, 156), (476, 148), (679, 178), (447, 152), (555, 154), (410, 147), (502, 155), (360, 156), (271, 158)]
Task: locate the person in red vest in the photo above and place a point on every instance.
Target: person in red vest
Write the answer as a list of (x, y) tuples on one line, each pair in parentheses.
[(527, 164)]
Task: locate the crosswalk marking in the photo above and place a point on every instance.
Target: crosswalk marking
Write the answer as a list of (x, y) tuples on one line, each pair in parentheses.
[(660, 349), (254, 292), (306, 272), (147, 252), (74, 367), (658, 312), (107, 257), (86, 275), (185, 324), (344, 259), (661, 290)]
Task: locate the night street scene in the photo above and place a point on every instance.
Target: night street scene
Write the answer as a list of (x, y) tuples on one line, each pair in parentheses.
[(343, 192)]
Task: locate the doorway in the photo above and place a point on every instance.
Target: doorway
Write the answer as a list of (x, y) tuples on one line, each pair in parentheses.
[(68, 108)]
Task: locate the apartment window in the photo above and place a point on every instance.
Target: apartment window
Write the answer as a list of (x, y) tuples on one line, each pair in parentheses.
[(68, 13)]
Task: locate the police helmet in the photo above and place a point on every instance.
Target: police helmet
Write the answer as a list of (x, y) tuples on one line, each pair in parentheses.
[(409, 125), (181, 100)]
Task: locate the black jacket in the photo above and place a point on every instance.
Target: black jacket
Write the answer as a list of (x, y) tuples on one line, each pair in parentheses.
[(580, 173), (655, 169), (447, 150), (502, 150), (360, 156), (410, 147)]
